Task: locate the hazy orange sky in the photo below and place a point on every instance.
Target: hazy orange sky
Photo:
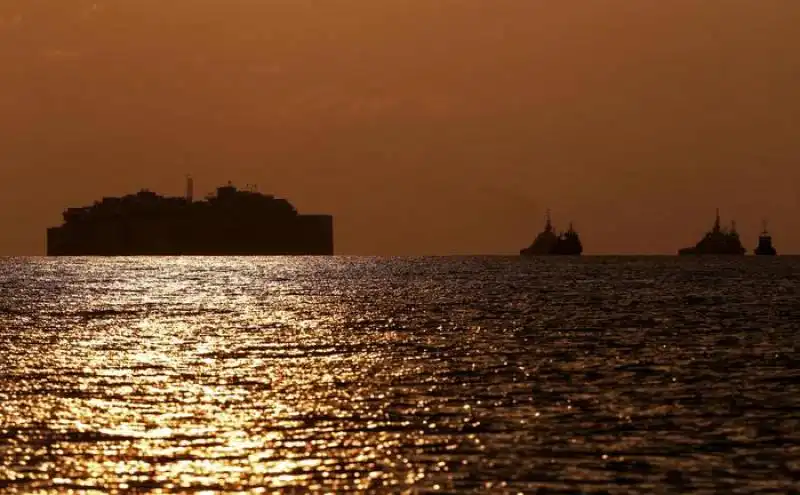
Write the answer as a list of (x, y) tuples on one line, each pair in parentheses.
[(424, 126)]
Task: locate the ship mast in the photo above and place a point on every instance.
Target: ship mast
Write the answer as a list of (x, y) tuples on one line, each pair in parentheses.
[(717, 223), (764, 230), (189, 189), (548, 226)]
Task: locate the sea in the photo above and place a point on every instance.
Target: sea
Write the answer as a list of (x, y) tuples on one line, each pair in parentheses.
[(400, 375)]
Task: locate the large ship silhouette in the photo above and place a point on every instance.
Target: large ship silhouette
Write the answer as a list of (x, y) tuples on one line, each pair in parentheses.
[(550, 243), (232, 222), (765, 247), (717, 241)]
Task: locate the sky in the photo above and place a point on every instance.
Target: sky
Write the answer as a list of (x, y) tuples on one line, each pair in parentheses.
[(425, 126)]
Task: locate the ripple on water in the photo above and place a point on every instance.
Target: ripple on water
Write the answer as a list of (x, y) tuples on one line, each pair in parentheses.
[(430, 374)]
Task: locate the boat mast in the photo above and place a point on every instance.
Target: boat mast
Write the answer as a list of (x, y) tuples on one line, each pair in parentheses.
[(548, 226), (189, 189)]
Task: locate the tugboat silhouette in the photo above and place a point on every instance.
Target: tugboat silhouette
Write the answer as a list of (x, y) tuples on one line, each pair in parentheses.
[(717, 241), (765, 247), (548, 243)]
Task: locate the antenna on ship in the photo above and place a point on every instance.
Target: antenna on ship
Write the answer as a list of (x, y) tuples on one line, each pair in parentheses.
[(733, 226), (764, 230), (548, 226), (189, 189), (716, 222)]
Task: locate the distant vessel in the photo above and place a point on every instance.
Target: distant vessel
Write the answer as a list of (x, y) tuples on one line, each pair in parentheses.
[(765, 247), (717, 241), (549, 243), (232, 222)]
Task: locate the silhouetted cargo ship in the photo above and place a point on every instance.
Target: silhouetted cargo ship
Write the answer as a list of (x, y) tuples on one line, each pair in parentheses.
[(717, 241), (232, 222), (765, 247), (549, 243)]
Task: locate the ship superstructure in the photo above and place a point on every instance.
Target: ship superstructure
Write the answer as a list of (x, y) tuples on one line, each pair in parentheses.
[(717, 241), (231, 222)]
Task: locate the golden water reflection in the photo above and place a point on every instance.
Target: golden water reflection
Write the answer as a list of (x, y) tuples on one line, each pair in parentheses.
[(212, 389), (226, 375)]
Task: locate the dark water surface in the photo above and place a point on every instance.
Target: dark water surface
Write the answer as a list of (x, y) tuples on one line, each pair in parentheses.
[(619, 375)]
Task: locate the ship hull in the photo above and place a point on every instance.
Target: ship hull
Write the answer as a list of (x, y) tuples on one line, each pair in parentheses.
[(765, 251), (558, 250), (301, 235), (717, 247), (696, 252), (765, 247), (527, 254)]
